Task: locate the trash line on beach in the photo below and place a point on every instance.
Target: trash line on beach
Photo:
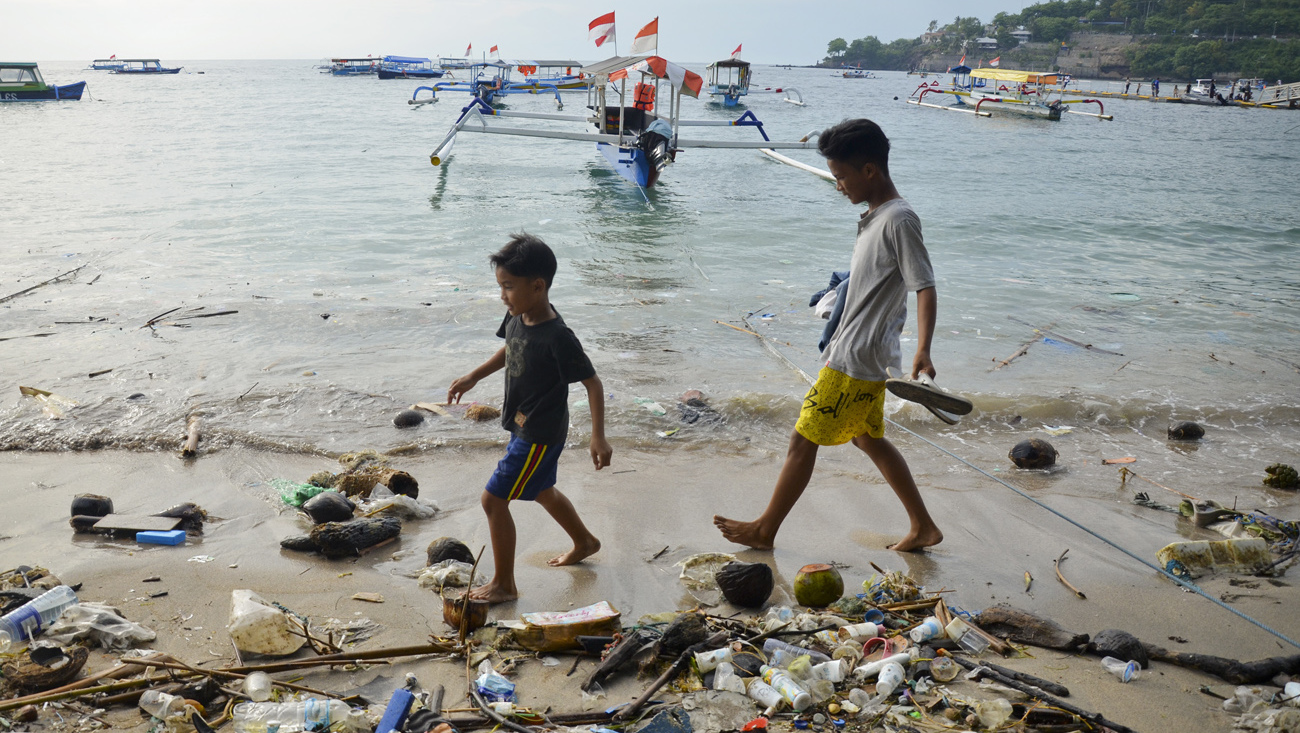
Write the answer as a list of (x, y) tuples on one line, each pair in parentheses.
[(1176, 580)]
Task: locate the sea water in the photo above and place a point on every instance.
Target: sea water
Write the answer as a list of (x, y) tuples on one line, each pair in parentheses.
[(357, 278)]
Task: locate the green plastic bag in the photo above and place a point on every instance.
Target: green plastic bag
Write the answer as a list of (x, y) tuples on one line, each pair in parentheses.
[(294, 493)]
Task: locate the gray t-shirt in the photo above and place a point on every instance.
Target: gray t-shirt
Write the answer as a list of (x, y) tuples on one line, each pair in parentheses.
[(889, 261)]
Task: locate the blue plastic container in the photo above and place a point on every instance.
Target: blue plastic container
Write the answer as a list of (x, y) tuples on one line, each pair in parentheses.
[(171, 537)]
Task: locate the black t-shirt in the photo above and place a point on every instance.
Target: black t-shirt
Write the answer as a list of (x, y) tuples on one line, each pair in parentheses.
[(541, 362)]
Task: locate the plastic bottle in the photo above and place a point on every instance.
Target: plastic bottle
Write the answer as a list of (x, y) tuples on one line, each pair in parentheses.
[(725, 678), (929, 629), (290, 717), (868, 671), (861, 632), (891, 676), (966, 637), (1125, 671), (257, 686), (798, 697), (708, 661), (771, 645), (764, 694), (35, 616), (161, 705)]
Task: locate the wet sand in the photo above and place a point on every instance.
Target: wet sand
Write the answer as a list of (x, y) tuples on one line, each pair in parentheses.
[(648, 502)]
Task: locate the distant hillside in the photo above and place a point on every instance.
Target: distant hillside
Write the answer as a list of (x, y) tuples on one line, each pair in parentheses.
[(1176, 39)]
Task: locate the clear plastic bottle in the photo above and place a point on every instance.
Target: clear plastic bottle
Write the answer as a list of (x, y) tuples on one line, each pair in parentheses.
[(771, 645), (798, 697), (293, 717), (35, 616)]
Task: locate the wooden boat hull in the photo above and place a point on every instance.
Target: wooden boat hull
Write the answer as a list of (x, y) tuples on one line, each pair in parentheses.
[(50, 93), (630, 163), (1025, 109), (411, 74), (176, 70)]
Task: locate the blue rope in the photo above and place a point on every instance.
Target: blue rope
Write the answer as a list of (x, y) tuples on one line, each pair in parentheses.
[(1177, 580)]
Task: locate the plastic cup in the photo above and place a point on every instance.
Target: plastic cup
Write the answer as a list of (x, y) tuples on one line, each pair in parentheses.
[(1125, 671)]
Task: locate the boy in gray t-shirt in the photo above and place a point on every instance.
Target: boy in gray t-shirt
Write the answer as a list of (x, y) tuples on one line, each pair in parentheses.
[(847, 402)]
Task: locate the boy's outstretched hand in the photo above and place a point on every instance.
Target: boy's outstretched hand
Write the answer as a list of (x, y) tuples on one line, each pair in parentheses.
[(600, 452), (459, 388)]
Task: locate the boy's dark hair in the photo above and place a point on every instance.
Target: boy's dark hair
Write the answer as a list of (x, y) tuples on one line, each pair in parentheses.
[(856, 142), (526, 256)]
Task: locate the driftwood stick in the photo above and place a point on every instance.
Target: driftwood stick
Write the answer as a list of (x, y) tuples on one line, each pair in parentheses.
[(227, 675), (1042, 684), (494, 715), (623, 652), (1029, 628), (191, 447), (1061, 578), (56, 278), (672, 671), (1024, 349), (346, 658), (1037, 694), (1230, 670), (82, 692)]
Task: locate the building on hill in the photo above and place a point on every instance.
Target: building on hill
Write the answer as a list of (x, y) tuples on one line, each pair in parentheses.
[(986, 43), (1022, 36), (935, 37)]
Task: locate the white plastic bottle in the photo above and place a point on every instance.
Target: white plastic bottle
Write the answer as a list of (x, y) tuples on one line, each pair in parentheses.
[(292, 717), (35, 616), (798, 697), (872, 669), (771, 645)]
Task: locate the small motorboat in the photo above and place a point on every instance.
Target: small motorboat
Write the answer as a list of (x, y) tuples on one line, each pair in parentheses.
[(144, 66), (21, 81)]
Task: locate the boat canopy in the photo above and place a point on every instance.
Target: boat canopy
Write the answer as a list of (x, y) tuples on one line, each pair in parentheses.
[(1018, 77), (554, 63), (730, 64), (683, 80), (610, 65), (138, 61), (405, 60), (960, 69)]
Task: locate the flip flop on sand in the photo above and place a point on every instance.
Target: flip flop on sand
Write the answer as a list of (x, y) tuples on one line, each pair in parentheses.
[(926, 393)]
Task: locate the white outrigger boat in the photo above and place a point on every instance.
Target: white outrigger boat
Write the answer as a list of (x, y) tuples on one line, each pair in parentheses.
[(634, 131), (988, 90)]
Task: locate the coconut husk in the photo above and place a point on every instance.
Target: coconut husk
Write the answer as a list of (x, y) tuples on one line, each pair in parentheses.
[(50, 667), (482, 413), (361, 483)]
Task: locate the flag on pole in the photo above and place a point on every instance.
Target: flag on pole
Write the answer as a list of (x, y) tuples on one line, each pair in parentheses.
[(995, 61), (963, 60), (736, 54), (601, 29), (688, 82), (114, 56), (469, 48), (647, 39), (493, 50)]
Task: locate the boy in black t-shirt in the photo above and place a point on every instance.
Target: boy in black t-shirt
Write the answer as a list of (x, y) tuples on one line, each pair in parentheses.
[(541, 358)]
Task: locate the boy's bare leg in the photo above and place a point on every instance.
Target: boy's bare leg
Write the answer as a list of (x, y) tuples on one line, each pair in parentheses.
[(891, 464), (501, 527), (796, 472), (561, 510)]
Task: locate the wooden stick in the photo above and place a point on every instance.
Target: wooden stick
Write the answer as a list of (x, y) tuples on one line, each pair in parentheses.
[(1037, 694), (56, 278), (668, 675), (1039, 682), (191, 447), (346, 658), (227, 675), (1061, 578)]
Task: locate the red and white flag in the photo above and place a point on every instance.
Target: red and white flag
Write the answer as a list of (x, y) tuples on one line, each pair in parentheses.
[(110, 58), (469, 48), (995, 61), (647, 39), (736, 54), (963, 60), (689, 82), (601, 29), (493, 50)]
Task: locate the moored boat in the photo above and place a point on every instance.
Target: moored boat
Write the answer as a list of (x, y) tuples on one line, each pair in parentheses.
[(408, 67), (729, 79), (354, 67), (1008, 90), (144, 66), (21, 81), (109, 64)]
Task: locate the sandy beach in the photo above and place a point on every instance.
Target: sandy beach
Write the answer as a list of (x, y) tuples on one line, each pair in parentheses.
[(648, 502)]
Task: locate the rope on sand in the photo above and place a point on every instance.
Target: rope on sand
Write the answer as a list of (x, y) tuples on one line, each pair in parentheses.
[(1186, 584)]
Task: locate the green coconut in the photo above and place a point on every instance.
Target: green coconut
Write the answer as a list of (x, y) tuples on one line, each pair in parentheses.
[(818, 585)]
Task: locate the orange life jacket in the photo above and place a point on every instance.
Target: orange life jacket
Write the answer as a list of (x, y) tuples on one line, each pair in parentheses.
[(643, 96)]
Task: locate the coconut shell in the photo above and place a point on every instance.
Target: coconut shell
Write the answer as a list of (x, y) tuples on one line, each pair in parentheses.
[(91, 505), (1033, 453), (449, 548), (300, 543), (408, 418), (328, 506), (1186, 430), (42, 668), (745, 584), (818, 585), (1121, 645)]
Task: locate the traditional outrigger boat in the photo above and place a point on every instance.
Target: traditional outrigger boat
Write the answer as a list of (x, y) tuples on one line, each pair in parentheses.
[(1005, 90), (859, 74), (354, 67), (144, 66), (729, 79), (634, 131), (408, 67), (21, 81), (551, 74), (489, 81), (108, 64)]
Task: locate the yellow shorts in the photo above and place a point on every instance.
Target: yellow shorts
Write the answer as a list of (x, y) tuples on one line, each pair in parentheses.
[(839, 408)]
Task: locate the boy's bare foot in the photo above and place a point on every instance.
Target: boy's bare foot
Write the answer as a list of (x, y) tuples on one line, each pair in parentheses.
[(577, 554), (916, 541), (494, 592), (749, 534)]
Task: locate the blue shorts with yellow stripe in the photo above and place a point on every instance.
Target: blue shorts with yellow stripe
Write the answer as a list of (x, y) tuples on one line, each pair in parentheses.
[(526, 470)]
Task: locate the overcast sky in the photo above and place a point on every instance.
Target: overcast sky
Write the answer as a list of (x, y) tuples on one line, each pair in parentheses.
[(690, 30)]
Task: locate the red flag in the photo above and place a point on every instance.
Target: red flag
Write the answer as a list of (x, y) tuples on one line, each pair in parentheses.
[(469, 48), (995, 61), (736, 54), (601, 29), (493, 50), (963, 60), (689, 82), (647, 39), (110, 58)]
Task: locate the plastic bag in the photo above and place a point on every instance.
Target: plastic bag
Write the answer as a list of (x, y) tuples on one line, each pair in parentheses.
[(293, 493), (258, 627), (398, 505), (492, 686), (448, 573), (698, 571), (101, 624)]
